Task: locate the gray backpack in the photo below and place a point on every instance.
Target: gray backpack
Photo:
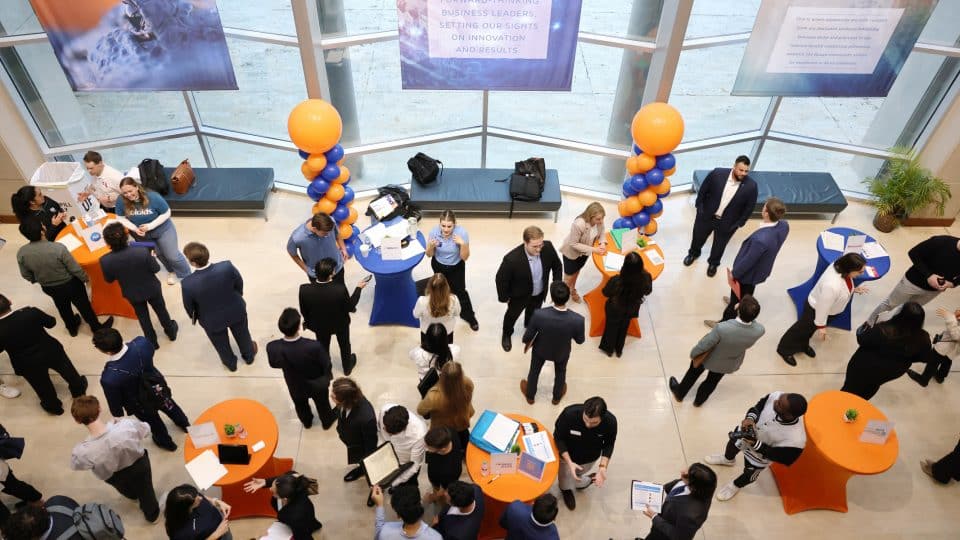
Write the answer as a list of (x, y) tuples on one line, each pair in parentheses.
[(92, 521)]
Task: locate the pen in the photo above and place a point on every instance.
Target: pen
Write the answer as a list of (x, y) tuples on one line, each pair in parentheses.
[(492, 479)]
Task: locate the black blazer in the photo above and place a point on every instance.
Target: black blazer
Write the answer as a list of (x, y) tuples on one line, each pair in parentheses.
[(358, 431), (302, 360), (136, 271), (680, 517), (298, 514), (741, 206), (214, 296), (556, 329), (326, 307), (513, 277), (23, 336)]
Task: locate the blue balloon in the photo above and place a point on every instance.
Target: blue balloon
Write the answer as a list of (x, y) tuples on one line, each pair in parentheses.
[(654, 208), (341, 213), (320, 185), (628, 190), (620, 223), (638, 182), (666, 162), (334, 154), (628, 223), (654, 177), (662, 195), (636, 150), (312, 193), (356, 231), (351, 247), (303, 155), (331, 172), (641, 218), (348, 195)]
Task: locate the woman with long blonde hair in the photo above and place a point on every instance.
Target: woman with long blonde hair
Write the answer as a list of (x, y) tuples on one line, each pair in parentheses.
[(450, 402), (437, 305), (577, 247), (147, 216)]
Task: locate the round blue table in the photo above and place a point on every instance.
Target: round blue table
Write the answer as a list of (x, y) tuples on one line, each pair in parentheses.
[(826, 257), (394, 292)]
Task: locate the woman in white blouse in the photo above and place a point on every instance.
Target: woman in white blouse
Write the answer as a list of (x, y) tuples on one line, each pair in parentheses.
[(829, 297), (434, 352), (578, 245), (437, 305)]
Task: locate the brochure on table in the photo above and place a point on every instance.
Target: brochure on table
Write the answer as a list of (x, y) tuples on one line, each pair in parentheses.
[(643, 494), (855, 243), (531, 467), (832, 241), (538, 445), (876, 432), (203, 435), (390, 249), (613, 261), (503, 463), (205, 469)]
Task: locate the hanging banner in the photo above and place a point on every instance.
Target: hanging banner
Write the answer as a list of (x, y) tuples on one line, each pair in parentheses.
[(138, 44), (840, 48), (488, 44)]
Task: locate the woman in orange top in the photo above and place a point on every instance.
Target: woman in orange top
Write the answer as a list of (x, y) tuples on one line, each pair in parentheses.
[(449, 402)]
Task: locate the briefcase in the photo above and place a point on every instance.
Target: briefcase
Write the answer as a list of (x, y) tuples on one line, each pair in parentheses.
[(182, 177)]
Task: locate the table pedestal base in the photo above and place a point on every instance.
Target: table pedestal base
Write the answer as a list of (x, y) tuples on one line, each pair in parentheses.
[(596, 302), (812, 483), (490, 528), (394, 296), (255, 504), (106, 298)]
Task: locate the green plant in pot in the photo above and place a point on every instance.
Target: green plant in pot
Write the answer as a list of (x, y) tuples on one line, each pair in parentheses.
[(850, 415), (904, 186)]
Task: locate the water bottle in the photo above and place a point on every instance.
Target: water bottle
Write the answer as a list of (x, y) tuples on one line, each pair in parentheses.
[(412, 227)]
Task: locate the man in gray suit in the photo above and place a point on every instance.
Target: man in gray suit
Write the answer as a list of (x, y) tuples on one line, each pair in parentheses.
[(725, 346), (550, 332)]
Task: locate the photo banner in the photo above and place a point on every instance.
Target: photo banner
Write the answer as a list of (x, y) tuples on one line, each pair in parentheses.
[(836, 48), (488, 44), (138, 45)]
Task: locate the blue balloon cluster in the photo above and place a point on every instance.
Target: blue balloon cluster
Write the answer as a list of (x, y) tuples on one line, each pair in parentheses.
[(638, 183), (321, 183)]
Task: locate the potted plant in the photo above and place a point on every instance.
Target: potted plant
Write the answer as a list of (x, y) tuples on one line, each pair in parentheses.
[(850, 415), (904, 186), (229, 430)]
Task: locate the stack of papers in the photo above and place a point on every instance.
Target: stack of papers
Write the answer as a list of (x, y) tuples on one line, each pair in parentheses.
[(501, 432), (832, 241), (613, 261), (206, 469), (202, 435), (653, 256), (873, 250), (71, 241), (538, 446), (412, 250)]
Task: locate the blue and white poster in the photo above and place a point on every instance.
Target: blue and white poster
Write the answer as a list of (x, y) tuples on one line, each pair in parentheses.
[(145, 45), (488, 44), (838, 48)]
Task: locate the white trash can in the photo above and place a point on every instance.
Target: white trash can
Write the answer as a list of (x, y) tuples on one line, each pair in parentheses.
[(63, 182)]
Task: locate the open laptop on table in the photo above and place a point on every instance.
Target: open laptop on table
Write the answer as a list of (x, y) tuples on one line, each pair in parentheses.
[(382, 466)]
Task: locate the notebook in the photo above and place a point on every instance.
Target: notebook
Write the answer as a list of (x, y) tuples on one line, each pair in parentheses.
[(382, 466)]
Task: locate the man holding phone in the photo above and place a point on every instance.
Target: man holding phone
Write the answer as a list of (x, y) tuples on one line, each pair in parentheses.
[(585, 435)]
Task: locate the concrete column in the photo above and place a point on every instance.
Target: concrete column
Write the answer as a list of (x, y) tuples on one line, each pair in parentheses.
[(19, 153)]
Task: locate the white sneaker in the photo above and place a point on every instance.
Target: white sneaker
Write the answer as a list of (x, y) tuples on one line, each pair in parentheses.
[(171, 279), (8, 392), (720, 459), (727, 492)]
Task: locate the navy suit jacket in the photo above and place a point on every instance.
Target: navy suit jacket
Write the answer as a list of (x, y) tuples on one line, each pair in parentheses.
[(463, 527), (680, 517), (754, 261), (121, 378), (556, 329), (741, 206), (302, 361), (214, 296), (135, 268), (516, 519)]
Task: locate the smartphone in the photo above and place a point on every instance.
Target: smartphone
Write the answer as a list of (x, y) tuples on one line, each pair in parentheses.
[(941, 281), (367, 279)]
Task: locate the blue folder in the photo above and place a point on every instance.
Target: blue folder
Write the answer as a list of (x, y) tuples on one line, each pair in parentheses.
[(480, 429)]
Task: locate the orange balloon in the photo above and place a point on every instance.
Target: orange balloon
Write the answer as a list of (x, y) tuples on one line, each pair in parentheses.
[(335, 193), (325, 206), (651, 228), (340, 163), (657, 128), (344, 176), (316, 163), (670, 172), (658, 214), (314, 126), (307, 171), (645, 198), (352, 218), (346, 231), (662, 188), (640, 164)]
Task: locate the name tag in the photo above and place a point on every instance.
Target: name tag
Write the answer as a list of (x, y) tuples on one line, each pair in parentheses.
[(575, 432)]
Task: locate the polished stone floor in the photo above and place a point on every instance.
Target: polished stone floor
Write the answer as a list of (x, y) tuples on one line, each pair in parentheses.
[(657, 436)]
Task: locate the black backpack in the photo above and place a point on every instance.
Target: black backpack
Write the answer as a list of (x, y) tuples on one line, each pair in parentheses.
[(424, 168), (403, 205), (153, 177), (92, 521)]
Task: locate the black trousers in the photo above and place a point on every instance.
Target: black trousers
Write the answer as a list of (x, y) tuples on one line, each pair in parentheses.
[(316, 390), (143, 317), (948, 466), (731, 310), (39, 379), (136, 482), (703, 227), (533, 377), (157, 428), (750, 471), (73, 293), (797, 337), (343, 341), (15, 487), (221, 342), (526, 305), (936, 365), (456, 277), (706, 387)]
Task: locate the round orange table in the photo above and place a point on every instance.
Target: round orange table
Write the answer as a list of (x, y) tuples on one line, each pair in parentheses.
[(510, 487), (260, 426), (595, 299), (834, 453), (105, 298)]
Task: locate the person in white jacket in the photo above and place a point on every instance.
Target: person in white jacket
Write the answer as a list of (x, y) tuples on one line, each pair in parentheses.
[(829, 297), (946, 349)]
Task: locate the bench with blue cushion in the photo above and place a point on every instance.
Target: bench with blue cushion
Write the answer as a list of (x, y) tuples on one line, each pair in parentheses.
[(802, 192), (224, 190), (478, 190)]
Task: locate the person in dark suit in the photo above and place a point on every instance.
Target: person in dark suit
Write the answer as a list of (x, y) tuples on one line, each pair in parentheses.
[(136, 270), (945, 468), (685, 506), (213, 295), (523, 277), (551, 329), (356, 425), (525, 522), (724, 203), (754, 261), (121, 384), (291, 500), (306, 370), (326, 308), (33, 353), (464, 517)]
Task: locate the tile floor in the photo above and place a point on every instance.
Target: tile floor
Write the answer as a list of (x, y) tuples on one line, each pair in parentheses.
[(657, 436)]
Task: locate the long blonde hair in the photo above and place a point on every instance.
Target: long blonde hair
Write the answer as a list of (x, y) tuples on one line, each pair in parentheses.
[(143, 202), (438, 291), (456, 396), (593, 209)]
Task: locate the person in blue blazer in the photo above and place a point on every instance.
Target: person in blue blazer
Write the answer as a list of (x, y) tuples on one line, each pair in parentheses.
[(754, 262), (213, 296), (724, 204)]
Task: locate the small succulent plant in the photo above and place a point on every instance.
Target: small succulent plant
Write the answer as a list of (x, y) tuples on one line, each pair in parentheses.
[(851, 414)]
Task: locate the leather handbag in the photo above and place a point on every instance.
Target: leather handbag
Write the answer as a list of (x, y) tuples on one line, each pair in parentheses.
[(697, 360), (183, 177)]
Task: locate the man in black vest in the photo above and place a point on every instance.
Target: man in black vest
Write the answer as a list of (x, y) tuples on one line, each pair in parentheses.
[(522, 279)]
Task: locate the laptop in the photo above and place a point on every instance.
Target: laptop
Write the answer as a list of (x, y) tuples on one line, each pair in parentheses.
[(233, 454), (382, 466)]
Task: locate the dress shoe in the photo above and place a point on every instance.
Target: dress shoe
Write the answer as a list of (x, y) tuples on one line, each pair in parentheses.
[(810, 352), (350, 364), (184, 428), (563, 392), (789, 359), (606, 352), (711, 270), (56, 412), (709, 323), (74, 329), (475, 326), (307, 425), (156, 345), (675, 389), (354, 474), (569, 499), (918, 378), (232, 366), (84, 383), (172, 331), (505, 343), (688, 260), (698, 402), (107, 323), (575, 296), (926, 466), (256, 349), (523, 390), (328, 423), (170, 446), (726, 300)]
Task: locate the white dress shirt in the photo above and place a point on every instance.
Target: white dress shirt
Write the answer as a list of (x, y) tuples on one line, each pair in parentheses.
[(408, 443), (729, 190)]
